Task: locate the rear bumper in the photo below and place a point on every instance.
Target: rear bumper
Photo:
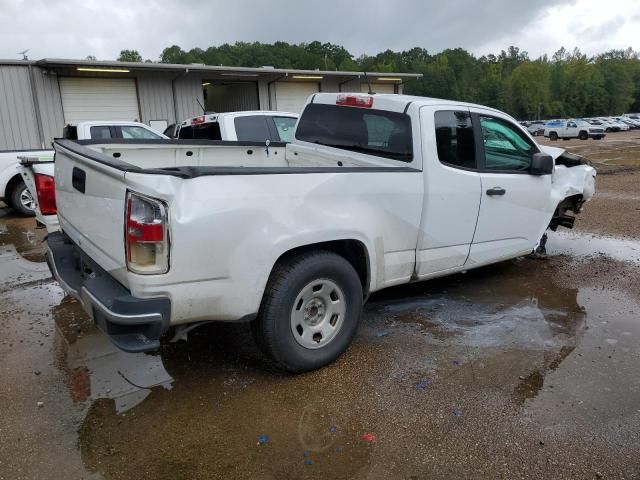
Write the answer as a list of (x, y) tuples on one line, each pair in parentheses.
[(133, 324)]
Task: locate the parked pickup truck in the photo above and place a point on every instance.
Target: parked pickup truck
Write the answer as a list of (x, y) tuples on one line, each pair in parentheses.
[(13, 188), (374, 191), (566, 129)]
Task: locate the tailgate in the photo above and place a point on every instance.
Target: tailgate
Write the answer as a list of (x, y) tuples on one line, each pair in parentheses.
[(90, 195)]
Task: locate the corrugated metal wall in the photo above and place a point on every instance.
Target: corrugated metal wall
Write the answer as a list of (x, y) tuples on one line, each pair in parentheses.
[(50, 104), (19, 127), (263, 94), (156, 97), (188, 93)]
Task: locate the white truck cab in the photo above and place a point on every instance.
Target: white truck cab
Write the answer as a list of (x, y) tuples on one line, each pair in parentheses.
[(373, 191)]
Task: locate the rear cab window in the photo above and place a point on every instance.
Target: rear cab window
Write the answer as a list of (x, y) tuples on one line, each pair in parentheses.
[(373, 132), (204, 131)]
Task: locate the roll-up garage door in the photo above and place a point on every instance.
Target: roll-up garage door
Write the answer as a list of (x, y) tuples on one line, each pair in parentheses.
[(378, 87), (291, 96), (88, 99)]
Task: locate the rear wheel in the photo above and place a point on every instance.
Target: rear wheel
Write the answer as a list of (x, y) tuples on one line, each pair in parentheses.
[(310, 311), (583, 135), (21, 200), (553, 136)]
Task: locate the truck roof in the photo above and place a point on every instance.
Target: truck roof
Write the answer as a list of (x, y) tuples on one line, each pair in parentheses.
[(395, 102)]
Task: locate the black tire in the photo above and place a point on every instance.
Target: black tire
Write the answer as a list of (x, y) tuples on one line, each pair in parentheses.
[(583, 135), (15, 202), (272, 328), (553, 136)]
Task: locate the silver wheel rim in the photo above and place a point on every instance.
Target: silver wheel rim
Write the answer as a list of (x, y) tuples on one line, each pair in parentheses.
[(318, 314), (27, 200)]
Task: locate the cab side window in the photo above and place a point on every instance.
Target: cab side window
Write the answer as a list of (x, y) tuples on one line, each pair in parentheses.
[(252, 128), (506, 148), (454, 138), (100, 133)]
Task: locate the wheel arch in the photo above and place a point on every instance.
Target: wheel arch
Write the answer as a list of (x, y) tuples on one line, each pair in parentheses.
[(13, 182), (352, 250)]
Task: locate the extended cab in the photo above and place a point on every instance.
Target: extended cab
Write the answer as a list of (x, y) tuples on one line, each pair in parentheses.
[(374, 191), (13, 187)]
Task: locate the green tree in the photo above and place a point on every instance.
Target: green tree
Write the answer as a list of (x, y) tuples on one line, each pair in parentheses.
[(530, 89), (129, 56)]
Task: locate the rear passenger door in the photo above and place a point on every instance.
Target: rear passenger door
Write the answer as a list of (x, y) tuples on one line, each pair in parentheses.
[(452, 190), (515, 206)]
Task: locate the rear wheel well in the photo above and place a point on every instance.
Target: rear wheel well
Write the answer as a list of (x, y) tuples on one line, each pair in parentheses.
[(353, 251), (15, 180)]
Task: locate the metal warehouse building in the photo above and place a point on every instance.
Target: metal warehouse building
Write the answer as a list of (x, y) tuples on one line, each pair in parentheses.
[(37, 98)]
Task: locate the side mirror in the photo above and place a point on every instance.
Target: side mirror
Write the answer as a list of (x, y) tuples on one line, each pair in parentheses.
[(541, 164)]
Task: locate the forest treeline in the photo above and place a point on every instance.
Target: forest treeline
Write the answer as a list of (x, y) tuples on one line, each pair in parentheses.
[(567, 84)]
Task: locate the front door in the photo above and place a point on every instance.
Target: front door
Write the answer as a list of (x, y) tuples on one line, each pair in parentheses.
[(515, 209)]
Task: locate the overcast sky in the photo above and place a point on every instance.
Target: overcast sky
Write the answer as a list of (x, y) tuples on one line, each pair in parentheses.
[(77, 28)]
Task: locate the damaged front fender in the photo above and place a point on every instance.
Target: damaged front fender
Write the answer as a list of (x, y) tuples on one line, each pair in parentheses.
[(572, 184)]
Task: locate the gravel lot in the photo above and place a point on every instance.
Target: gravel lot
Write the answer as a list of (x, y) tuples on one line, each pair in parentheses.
[(526, 369)]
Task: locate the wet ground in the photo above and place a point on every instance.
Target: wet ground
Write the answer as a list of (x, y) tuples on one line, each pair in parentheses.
[(526, 369)]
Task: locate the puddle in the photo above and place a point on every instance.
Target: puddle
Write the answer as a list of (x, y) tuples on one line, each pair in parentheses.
[(21, 233), (586, 245)]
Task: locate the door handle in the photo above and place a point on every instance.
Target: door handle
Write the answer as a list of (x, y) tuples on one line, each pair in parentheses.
[(496, 191)]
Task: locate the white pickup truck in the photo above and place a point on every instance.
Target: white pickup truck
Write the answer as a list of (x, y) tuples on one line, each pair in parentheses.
[(374, 191), (566, 129), (13, 188)]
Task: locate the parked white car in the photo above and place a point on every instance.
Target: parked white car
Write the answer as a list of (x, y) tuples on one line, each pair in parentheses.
[(618, 126), (248, 126), (374, 191), (566, 129), (13, 188)]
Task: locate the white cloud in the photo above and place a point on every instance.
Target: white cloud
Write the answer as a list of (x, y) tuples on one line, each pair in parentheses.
[(593, 26)]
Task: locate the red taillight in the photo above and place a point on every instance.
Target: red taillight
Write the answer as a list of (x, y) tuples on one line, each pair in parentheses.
[(46, 190), (198, 120), (362, 101), (146, 235)]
